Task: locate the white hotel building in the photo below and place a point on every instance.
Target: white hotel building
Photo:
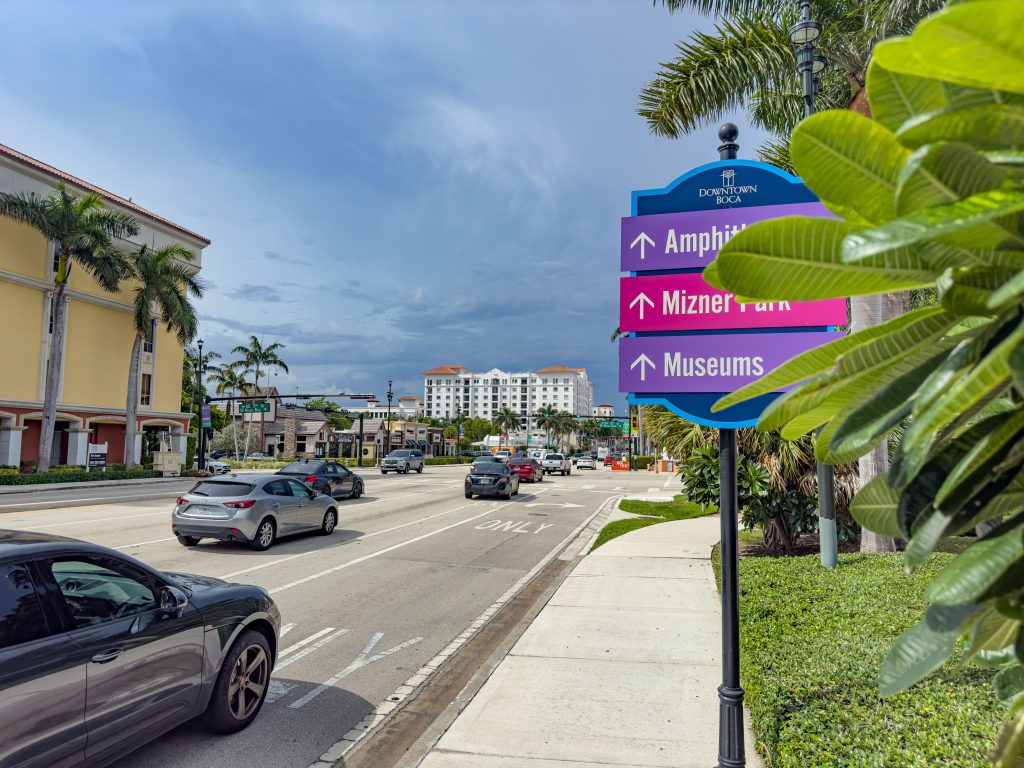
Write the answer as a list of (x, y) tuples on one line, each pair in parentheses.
[(451, 389)]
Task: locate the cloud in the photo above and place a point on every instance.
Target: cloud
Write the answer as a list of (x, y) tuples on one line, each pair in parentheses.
[(275, 256), (261, 294)]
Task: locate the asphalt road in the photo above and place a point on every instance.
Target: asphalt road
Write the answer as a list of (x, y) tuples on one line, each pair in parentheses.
[(411, 565)]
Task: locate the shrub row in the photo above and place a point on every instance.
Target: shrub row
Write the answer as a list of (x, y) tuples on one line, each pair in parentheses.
[(73, 475), (812, 641)]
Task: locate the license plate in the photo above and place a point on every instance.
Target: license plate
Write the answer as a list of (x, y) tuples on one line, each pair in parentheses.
[(484, 482), (199, 510)]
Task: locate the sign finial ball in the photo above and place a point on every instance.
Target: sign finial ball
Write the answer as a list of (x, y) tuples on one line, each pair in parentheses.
[(728, 132)]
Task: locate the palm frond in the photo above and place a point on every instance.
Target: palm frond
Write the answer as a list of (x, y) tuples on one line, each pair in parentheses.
[(726, 7), (30, 209), (776, 152), (714, 73)]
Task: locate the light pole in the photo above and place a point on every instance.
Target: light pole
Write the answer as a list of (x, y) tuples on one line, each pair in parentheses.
[(388, 429), (809, 66), (201, 438)]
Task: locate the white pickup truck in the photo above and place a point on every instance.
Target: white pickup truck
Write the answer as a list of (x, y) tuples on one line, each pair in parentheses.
[(556, 462)]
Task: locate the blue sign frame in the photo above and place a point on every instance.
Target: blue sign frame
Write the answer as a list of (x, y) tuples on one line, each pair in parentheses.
[(775, 187)]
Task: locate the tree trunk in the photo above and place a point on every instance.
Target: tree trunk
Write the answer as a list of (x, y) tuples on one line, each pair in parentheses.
[(131, 409), (54, 369), (234, 425), (869, 311)]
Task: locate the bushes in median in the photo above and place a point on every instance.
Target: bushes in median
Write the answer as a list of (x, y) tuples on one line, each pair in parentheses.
[(73, 475), (811, 643)]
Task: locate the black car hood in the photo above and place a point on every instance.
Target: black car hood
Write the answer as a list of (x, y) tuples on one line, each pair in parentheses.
[(196, 583)]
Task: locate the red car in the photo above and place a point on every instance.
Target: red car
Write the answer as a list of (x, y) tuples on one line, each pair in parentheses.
[(612, 457), (527, 469)]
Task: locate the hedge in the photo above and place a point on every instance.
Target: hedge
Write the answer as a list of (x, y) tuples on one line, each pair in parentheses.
[(656, 512), (78, 475), (811, 643)]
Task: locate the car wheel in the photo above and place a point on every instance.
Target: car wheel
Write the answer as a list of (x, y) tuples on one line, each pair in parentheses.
[(188, 541), (357, 491), (383, 472), (541, 478), (516, 491), (563, 473), (569, 472), (330, 520), (265, 535), (405, 471), (469, 495), (420, 470), (241, 686)]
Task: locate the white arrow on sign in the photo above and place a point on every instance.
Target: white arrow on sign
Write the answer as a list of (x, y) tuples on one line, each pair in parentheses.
[(644, 241), (566, 505), (642, 298), (643, 361)]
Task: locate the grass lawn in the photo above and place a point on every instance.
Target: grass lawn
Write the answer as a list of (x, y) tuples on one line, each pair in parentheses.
[(659, 512), (812, 641)]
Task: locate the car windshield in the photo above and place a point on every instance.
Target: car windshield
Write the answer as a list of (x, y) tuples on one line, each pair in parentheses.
[(304, 468), (485, 460), (489, 469), (221, 488), (554, 457), (399, 454)]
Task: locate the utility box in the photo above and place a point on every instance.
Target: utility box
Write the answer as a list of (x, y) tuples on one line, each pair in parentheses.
[(168, 463)]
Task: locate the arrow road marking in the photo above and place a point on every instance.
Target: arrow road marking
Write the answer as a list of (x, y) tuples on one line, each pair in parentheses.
[(360, 661), (643, 361), (644, 241), (642, 298), (566, 505), (308, 650)]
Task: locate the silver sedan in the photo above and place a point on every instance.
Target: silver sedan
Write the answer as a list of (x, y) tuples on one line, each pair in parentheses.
[(256, 509)]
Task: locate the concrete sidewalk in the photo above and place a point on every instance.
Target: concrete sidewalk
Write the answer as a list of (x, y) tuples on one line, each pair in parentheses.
[(620, 668)]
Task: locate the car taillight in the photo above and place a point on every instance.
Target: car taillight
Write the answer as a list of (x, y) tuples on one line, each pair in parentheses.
[(310, 478), (181, 500), (243, 504)]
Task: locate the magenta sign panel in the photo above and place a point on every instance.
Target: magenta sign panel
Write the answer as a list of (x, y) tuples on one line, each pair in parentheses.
[(691, 240), (714, 363), (684, 302)]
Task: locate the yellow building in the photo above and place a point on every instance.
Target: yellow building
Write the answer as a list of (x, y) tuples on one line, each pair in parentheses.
[(99, 337)]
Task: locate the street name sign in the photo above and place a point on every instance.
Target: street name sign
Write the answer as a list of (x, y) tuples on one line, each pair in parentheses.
[(687, 344), (684, 302), (254, 407)]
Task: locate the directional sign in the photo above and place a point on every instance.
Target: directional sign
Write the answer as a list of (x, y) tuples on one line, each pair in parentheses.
[(714, 363), (254, 407), (688, 343), (692, 240), (684, 302)]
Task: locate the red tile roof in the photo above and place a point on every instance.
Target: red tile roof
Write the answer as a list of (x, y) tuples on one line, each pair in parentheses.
[(56, 173), (561, 369), (444, 370)]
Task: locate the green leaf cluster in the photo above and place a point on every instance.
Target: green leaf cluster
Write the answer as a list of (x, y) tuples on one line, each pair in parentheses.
[(929, 195)]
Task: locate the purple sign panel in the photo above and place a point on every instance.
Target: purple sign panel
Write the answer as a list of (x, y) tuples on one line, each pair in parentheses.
[(692, 239), (712, 363), (684, 302)]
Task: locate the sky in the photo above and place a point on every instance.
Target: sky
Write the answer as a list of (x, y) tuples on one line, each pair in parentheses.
[(388, 186)]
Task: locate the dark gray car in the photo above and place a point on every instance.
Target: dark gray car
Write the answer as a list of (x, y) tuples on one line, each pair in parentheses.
[(100, 654)]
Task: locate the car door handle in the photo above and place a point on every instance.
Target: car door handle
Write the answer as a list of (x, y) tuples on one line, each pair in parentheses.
[(276, 505), (104, 657)]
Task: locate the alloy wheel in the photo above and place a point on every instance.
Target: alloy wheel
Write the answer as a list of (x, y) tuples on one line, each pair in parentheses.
[(266, 534), (249, 678)]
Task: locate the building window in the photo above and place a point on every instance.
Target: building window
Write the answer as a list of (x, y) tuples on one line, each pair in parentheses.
[(145, 390), (147, 345)]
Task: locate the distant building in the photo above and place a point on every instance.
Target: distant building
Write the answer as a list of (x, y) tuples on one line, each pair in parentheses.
[(451, 389), (604, 410), (405, 407)]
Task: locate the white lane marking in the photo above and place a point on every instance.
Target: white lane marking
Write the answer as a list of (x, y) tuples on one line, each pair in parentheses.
[(668, 481), (655, 489), (286, 629), (309, 649), (100, 519), (360, 661), (130, 496), (392, 548), (143, 543), (564, 505), (586, 487), (338, 546), (307, 641)]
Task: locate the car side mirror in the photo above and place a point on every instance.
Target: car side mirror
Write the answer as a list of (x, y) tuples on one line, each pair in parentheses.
[(173, 601), (312, 494)]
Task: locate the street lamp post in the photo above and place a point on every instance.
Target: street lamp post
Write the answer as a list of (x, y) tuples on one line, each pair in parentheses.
[(201, 438), (388, 429), (809, 66)]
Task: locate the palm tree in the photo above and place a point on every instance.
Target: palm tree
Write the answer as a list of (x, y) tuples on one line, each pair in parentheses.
[(163, 279), (257, 360), (506, 420), (748, 62), (227, 378), (545, 418), (83, 232), (563, 424)]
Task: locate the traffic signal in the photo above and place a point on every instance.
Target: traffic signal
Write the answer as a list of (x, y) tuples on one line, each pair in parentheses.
[(634, 423)]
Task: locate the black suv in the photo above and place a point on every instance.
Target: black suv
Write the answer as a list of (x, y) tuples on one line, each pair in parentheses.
[(327, 477)]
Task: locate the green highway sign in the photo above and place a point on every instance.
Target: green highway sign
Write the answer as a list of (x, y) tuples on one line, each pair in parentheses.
[(254, 407), (621, 426)]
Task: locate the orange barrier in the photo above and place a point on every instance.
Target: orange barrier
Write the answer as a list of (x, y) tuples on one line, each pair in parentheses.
[(621, 465)]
